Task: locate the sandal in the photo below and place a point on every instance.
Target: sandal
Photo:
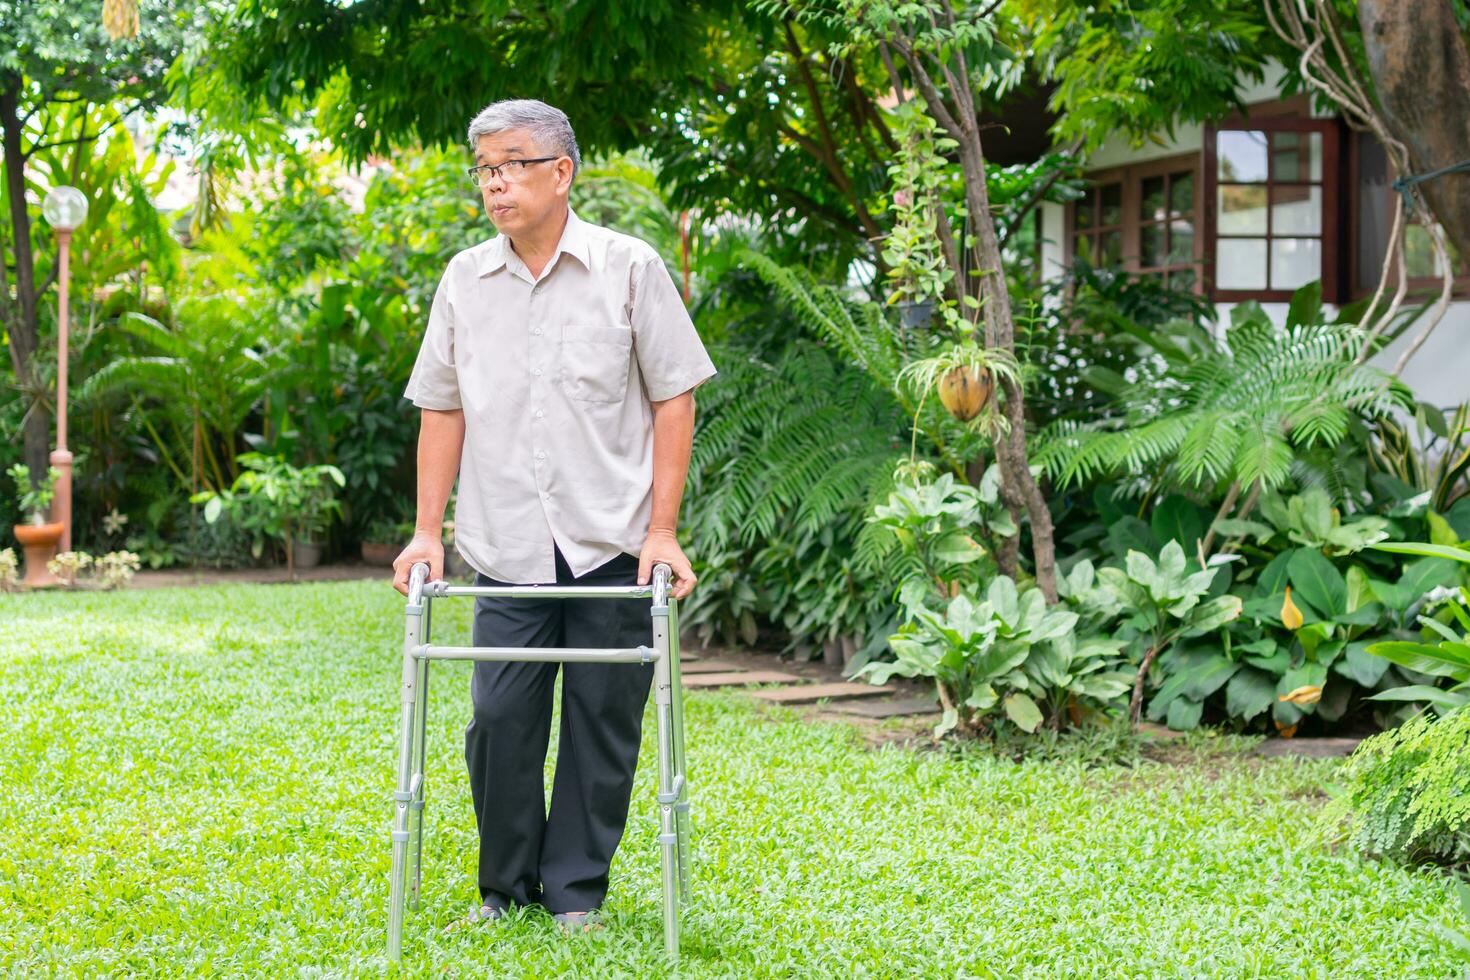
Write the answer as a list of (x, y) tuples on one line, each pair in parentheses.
[(476, 916), (578, 923)]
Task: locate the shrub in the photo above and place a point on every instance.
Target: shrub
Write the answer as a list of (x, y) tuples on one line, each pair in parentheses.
[(1408, 792)]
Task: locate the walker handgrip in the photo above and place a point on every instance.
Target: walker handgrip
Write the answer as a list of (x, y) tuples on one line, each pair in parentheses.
[(662, 575), (416, 577)]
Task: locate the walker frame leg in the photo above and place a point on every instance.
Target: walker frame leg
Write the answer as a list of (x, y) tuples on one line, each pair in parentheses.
[(668, 794), (416, 805), (681, 776), (404, 794)]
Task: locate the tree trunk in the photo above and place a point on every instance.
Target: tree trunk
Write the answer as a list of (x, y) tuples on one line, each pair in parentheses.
[(1001, 332), (1421, 73), (20, 316)]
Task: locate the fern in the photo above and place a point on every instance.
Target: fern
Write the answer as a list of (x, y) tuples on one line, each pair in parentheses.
[(1409, 792), (1241, 411)]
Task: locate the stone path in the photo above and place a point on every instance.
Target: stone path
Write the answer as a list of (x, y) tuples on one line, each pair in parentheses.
[(811, 683)]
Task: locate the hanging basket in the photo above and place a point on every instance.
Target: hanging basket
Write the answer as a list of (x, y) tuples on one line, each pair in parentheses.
[(966, 391)]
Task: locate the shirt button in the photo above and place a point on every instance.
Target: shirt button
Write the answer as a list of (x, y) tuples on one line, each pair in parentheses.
[(537, 331), (536, 372), (540, 455), (538, 413)]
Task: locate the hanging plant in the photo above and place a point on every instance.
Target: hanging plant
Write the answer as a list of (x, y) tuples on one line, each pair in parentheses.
[(964, 376)]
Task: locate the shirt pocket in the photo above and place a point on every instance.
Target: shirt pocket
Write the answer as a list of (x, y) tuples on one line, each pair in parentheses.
[(594, 362)]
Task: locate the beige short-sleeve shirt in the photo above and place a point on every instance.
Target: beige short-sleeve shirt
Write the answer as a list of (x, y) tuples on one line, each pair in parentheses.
[(555, 376)]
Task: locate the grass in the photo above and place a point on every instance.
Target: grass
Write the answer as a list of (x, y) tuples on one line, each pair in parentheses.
[(197, 783)]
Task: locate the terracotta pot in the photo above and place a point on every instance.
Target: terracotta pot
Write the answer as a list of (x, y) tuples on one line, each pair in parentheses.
[(379, 553), (965, 391), (39, 542)]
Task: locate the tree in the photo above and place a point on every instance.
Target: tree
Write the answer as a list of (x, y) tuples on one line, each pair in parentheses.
[(57, 61)]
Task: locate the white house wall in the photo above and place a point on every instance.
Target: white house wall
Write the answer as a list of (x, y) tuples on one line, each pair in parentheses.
[(1439, 373)]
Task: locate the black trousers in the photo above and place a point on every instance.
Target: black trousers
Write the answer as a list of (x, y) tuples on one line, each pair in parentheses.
[(558, 859)]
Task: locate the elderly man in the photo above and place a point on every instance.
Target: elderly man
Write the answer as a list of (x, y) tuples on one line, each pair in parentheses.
[(556, 378)]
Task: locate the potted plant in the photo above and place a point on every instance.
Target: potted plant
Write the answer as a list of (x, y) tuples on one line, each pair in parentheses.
[(273, 500), (37, 537), (384, 541)]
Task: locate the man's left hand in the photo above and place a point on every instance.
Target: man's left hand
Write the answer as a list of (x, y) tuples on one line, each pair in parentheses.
[(662, 546)]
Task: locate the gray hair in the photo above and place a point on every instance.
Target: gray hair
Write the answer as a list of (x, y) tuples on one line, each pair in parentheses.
[(548, 126)]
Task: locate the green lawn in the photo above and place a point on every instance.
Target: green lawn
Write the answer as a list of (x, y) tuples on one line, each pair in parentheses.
[(197, 782)]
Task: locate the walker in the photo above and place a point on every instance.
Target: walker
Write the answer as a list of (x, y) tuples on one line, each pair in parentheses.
[(673, 789)]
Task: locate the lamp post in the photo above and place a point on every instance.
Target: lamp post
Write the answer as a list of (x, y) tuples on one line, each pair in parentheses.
[(64, 209)]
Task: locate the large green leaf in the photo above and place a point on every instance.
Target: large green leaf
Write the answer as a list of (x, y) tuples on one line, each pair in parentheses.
[(1426, 658), (1177, 518), (1360, 666), (1274, 576), (1249, 693), (1208, 676), (1318, 581), (1214, 614), (1448, 700), (1020, 709), (1131, 534), (1425, 550), (1184, 714), (957, 548)]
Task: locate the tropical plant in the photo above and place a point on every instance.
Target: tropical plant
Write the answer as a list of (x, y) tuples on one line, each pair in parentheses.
[(33, 498), (1434, 457), (205, 372), (975, 652), (1160, 602), (936, 522), (1309, 520), (1447, 658), (271, 499), (790, 452)]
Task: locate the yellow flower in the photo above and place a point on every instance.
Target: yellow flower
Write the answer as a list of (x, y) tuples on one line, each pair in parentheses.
[(1291, 616), (1306, 694)]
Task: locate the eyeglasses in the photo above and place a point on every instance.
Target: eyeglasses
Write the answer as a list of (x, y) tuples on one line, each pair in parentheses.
[(510, 171)]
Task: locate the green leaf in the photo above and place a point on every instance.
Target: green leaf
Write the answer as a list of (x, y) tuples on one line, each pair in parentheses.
[(1359, 591), (1209, 676), (1214, 614), (1360, 666), (1425, 550), (1176, 518), (1426, 658), (1440, 532), (1318, 581), (1131, 534), (1023, 711), (1275, 575), (1425, 574), (212, 509), (1421, 692), (1233, 528), (957, 548), (1184, 714), (1306, 305), (1249, 693)]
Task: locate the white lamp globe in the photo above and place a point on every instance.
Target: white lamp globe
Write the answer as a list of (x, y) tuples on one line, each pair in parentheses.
[(65, 208)]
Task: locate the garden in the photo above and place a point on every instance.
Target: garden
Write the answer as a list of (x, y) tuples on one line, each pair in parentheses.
[(1124, 516)]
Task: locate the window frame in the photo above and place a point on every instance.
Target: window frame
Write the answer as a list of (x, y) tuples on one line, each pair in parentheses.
[(1332, 185), (1419, 287), (1131, 176)]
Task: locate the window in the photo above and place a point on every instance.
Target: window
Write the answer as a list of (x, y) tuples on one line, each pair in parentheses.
[(1141, 218), (1272, 192), (1373, 213)]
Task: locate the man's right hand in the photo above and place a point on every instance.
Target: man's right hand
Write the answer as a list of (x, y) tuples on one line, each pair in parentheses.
[(424, 547)]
